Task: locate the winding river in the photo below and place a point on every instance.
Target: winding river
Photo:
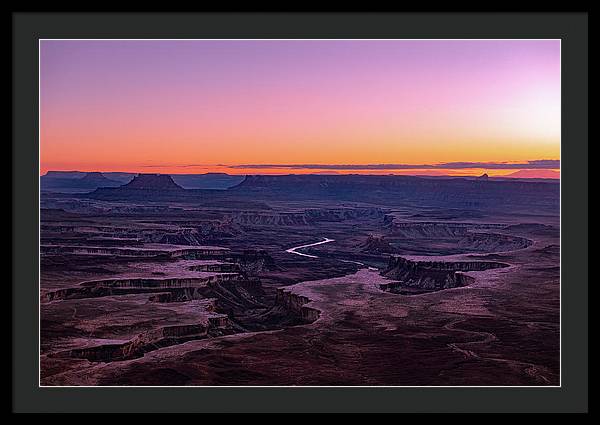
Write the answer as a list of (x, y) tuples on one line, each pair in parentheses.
[(295, 249)]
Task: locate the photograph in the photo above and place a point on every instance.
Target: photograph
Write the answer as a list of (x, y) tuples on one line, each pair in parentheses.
[(300, 212)]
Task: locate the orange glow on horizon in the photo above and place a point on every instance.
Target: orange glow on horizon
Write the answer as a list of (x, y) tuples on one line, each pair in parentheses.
[(185, 107), (467, 172)]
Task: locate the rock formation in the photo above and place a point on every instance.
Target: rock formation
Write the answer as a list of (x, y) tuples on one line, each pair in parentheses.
[(152, 182), (295, 304), (432, 275), (377, 245)]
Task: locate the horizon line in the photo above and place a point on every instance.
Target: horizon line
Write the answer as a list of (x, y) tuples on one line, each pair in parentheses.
[(555, 174)]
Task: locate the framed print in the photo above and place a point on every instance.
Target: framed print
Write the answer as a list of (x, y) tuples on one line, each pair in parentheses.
[(249, 205)]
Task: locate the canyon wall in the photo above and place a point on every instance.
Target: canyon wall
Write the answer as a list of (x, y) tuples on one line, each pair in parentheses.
[(295, 304), (432, 275)]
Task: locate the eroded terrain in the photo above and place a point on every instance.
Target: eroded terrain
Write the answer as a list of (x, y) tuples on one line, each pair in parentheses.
[(313, 281)]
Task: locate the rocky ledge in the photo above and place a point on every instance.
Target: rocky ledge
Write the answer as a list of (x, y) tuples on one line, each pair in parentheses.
[(425, 276), (295, 304)]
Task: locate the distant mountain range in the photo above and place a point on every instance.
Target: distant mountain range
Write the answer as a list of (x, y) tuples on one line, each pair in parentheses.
[(75, 182), (477, 191), (81, 182), (473, 193)]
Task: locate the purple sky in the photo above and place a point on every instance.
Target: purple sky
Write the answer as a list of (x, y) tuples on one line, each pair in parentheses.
[(126, 105)]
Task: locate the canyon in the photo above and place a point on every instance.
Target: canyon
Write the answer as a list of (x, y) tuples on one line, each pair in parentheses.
[(299, 280)]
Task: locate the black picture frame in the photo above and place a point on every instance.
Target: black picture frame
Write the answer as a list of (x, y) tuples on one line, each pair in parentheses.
[(571, 28)]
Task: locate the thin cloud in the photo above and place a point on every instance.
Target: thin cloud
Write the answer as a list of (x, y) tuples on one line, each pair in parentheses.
[(540, 164), (183, 165)]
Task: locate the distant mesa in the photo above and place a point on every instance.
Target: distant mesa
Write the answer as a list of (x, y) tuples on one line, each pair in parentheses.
[(535, 174), (75, 181), (152, 182), (463, 193), (207, 180), (98, 179)]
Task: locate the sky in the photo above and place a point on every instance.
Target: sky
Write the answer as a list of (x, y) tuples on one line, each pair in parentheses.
[(277, 106)]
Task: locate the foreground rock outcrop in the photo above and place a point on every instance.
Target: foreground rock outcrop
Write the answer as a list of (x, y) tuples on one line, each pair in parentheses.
[(432, 275), (377, 245), (214, 325), (295, 304)]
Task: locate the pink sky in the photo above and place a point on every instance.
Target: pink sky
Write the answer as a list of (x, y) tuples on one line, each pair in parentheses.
[(135, 105)]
